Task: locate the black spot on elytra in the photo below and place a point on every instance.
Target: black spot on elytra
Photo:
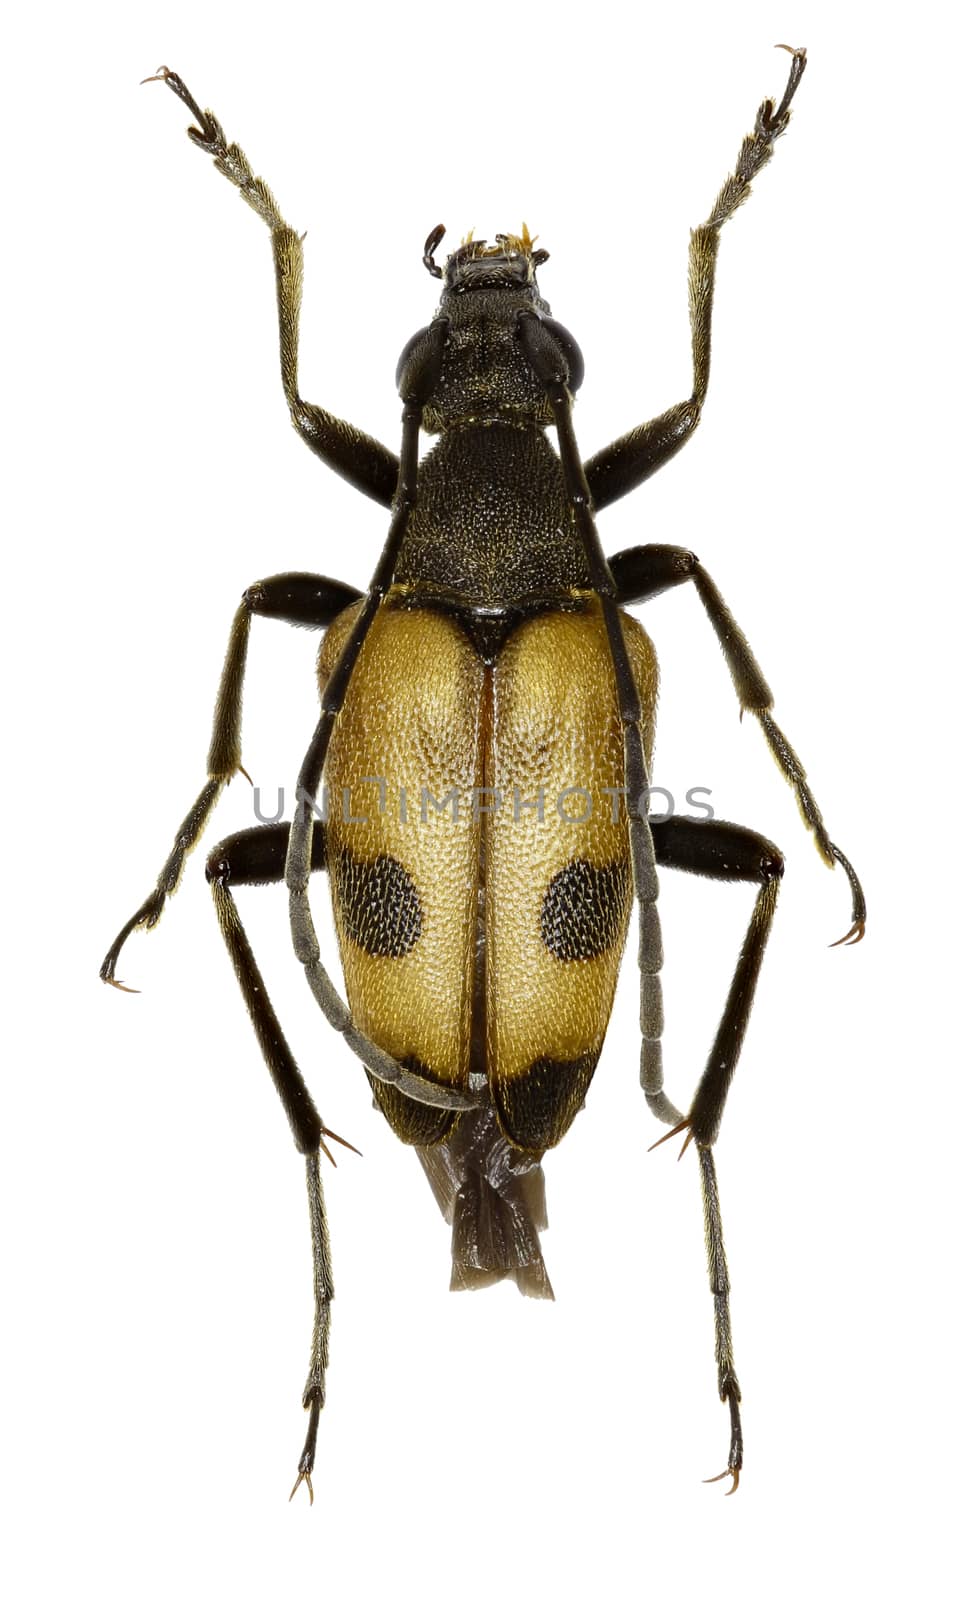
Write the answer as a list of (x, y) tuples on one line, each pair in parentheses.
[(379, 906), (583, 910), (537, 1106)]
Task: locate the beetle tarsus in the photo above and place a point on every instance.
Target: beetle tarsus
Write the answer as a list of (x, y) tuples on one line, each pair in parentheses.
[(146, 917), (116, 984), (303, 1477), (175, 82), (858, 929), (777, 118), (304, 1471), (728, 1472)]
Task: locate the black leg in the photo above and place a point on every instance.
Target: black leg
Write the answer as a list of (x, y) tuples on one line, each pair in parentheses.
[(723, 851), (257, 856), (300, 598), (730, 854), (729, 1390), (361, 460), (314, 1392), (649, 570), (626, 463)]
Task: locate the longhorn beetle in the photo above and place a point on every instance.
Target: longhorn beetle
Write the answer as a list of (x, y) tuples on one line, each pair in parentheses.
[(487, 689)]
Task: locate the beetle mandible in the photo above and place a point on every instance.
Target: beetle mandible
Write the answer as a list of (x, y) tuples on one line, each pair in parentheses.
[(488, 683)]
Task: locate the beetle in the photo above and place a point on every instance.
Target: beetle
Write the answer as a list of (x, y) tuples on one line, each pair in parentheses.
[(488, 689)]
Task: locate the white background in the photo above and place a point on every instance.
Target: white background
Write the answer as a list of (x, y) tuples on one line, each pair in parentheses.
[(157, 1280)]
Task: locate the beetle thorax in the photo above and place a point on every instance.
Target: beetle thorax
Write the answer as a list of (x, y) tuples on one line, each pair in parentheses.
[(486, 377)]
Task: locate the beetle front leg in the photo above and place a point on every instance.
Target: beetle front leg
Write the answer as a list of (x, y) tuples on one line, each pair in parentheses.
[(634, 457), (360, 459), (649, 570), (300, 598)]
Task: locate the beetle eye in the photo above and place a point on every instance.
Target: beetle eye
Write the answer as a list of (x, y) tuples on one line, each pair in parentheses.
[(407, 351), (570, 349)]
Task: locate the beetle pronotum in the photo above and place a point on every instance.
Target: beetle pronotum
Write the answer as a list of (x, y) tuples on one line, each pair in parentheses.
[(488, 685)]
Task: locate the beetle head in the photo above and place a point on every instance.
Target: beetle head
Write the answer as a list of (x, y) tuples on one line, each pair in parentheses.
[(486, 375), (510, 263)]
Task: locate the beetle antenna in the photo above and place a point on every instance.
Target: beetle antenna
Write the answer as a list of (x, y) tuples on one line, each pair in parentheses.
[(432, 242)]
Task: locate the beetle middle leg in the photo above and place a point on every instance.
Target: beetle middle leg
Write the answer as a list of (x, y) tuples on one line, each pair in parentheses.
[(731, 854), (301, 598), (649, 570)]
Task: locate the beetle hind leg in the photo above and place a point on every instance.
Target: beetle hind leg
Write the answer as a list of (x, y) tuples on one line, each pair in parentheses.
[(257, 856), (730, 853), (724, 851), (314, 1392), (729, 1391)]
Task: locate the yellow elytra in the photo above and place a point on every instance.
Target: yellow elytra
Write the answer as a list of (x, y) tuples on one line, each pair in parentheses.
[(491, 787)]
